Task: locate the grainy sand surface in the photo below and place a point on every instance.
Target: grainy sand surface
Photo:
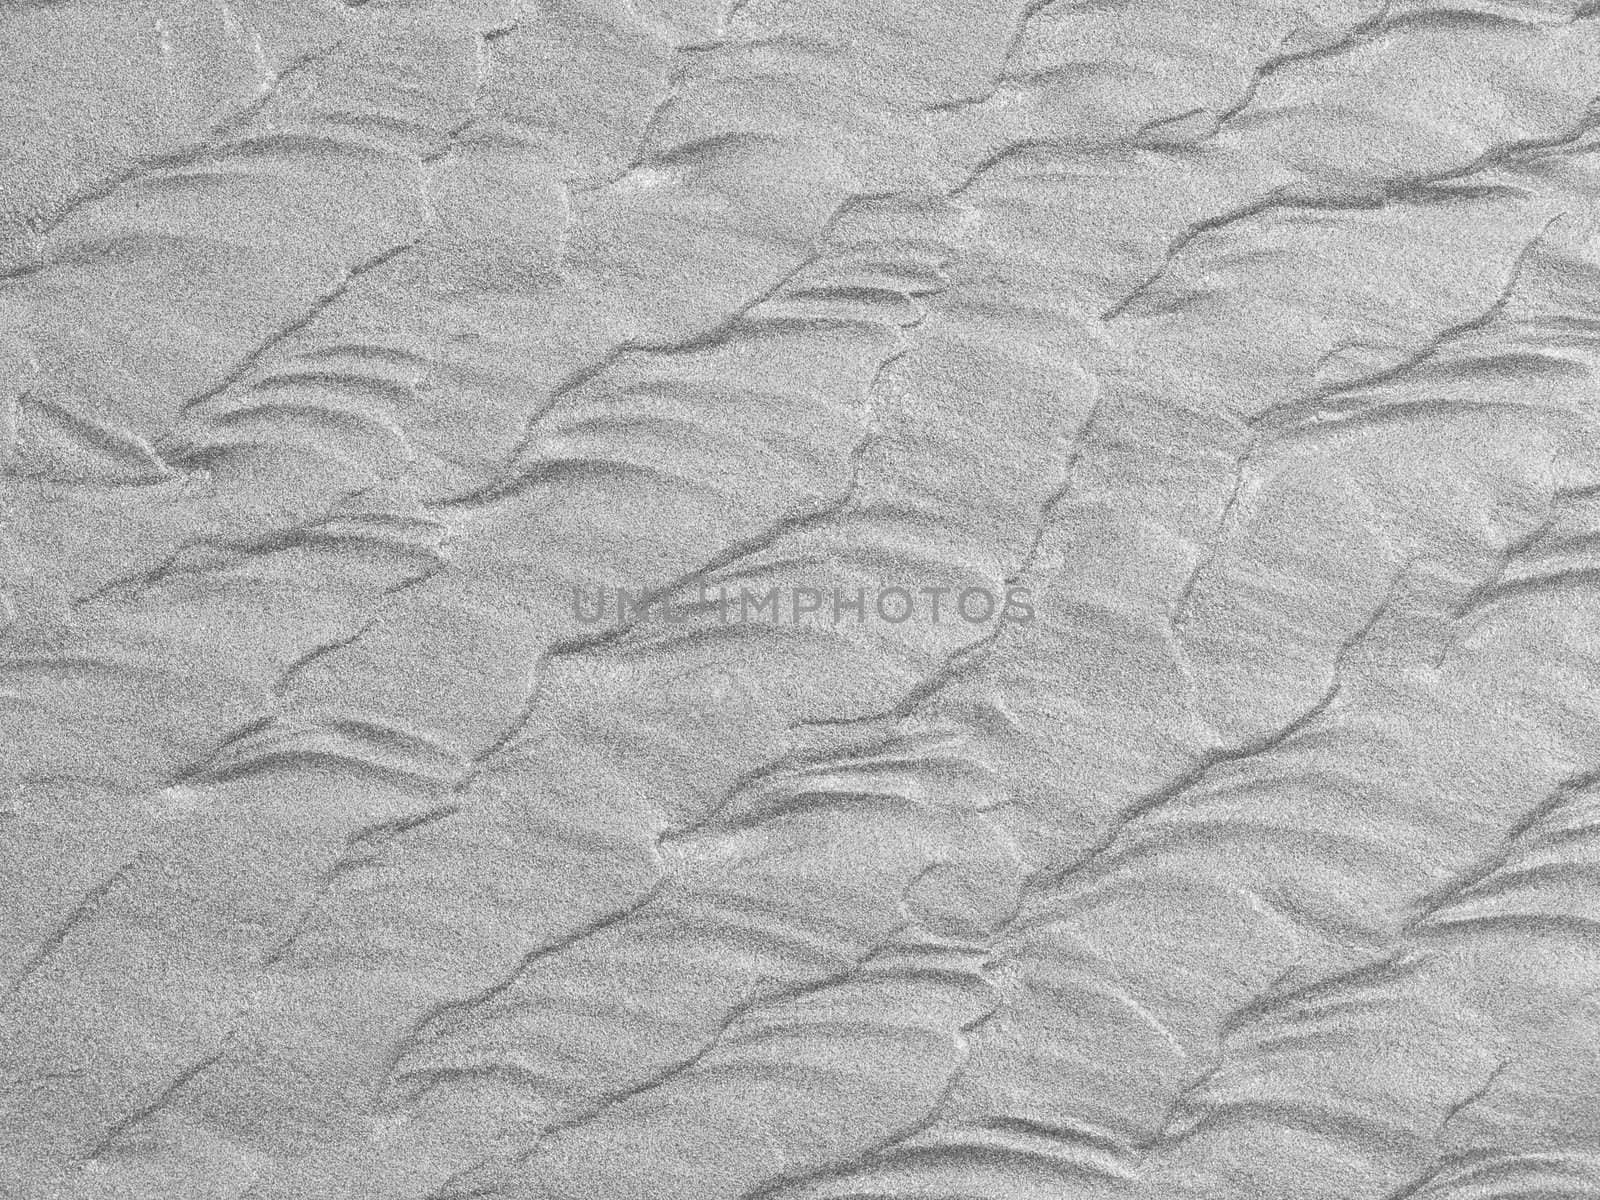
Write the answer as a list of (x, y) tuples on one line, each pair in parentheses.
[(1239, 355)]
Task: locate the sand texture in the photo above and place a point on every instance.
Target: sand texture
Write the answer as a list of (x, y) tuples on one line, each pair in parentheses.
[(1103, 701)]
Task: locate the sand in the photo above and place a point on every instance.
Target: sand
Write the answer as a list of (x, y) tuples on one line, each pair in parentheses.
[(649, 600)]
